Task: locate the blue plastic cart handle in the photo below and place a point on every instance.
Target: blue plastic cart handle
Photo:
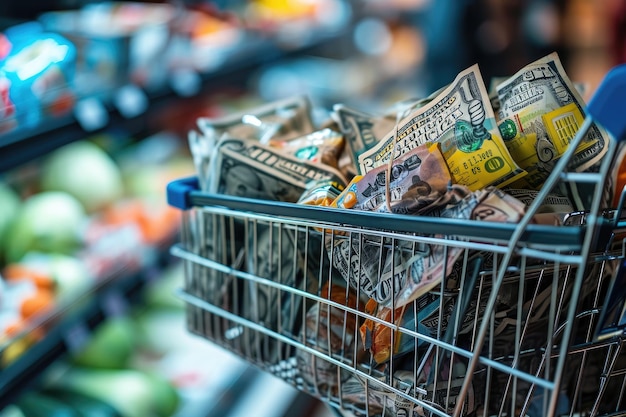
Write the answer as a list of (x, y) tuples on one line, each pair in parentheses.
[(608, 104), (178, 192)]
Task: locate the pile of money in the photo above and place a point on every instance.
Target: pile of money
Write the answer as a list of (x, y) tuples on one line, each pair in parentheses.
[(461, 120), (460, 153), (394, 272), (508, 139), (270, 153)]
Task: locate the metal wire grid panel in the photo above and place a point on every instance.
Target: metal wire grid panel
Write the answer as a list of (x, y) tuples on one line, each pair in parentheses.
[(265, 289), (503, 322)]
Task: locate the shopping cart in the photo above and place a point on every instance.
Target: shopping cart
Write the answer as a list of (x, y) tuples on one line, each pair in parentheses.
[(509, 325)]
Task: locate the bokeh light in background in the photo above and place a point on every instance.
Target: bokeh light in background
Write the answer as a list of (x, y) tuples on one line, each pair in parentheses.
[(409, 48), (541, 24), (372, 36)]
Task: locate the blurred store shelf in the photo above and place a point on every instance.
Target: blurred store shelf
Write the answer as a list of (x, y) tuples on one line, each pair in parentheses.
[(132, 109)]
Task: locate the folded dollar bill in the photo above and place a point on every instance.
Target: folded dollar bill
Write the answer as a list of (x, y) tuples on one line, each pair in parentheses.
[(284, 119), (362, 131), (323, 146), (322, 193), (287, 119), (412, 182), (540, 112), (247, 168)]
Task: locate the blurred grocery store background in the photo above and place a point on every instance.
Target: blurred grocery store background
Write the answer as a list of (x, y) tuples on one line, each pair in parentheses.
[(96, 100)]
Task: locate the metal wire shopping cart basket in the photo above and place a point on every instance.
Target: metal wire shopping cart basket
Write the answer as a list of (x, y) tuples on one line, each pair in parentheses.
[(510, 326)]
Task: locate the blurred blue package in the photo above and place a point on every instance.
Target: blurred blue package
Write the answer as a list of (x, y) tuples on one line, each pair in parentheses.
[(37, 70), (117, 43)]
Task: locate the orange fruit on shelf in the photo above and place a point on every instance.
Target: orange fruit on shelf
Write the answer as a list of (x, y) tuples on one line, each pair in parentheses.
[(16, 272), (39, 303)]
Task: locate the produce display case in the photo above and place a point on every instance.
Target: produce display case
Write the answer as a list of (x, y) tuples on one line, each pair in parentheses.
[(119, 279)]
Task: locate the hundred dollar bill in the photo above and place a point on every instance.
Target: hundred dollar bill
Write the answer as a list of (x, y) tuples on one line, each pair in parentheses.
[(461, 120), (247, 168), (541, 111), (285, 119), (363, 131), (495, 100), (415, 180)]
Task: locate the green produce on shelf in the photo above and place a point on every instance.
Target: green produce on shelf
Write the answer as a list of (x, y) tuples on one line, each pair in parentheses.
[(165, 396), (111, 346), (34, 404), (85, 171), (10, 203), (84, 405), (155, 322), (132, 393), (161, 295), (48, 222)]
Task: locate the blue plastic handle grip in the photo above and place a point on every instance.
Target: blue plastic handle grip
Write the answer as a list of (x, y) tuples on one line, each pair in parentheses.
[(608, 104), (178, 192)]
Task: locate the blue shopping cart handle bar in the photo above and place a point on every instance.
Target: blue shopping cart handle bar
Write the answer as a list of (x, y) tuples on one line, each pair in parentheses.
[(179, 191), (608, 104), (185, 194)]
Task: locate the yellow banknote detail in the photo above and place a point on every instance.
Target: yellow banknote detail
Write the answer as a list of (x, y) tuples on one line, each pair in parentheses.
[(562, 124)]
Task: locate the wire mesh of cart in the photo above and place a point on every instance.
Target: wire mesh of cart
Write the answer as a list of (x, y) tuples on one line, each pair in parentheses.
[(506, 321)]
